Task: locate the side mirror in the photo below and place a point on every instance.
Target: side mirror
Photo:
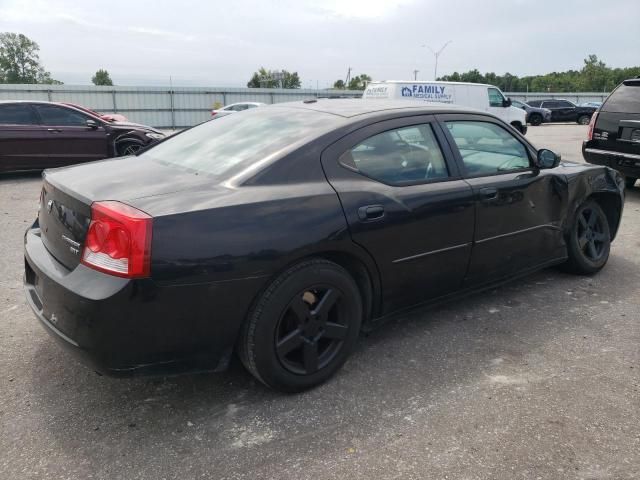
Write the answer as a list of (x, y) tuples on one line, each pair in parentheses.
[(547, 159), (506, 103), (92, 124)]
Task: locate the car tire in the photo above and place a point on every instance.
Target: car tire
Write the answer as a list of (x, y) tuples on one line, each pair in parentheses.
[(303, 327), (128, 147), (629, 182), (535, 119), (589, 240), (584, 119)]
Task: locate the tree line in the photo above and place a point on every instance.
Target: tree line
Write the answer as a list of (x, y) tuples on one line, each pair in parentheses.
[(594, 76)]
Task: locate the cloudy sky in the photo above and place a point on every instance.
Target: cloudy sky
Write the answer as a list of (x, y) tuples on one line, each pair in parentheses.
[(220, 43)]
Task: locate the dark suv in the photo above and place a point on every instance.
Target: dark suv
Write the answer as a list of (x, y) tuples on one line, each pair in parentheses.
[(565, 111), (614, 132), (39, 135)]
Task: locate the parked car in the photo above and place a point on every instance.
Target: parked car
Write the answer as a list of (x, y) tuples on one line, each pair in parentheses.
[(282, 232), (591, 104), (236, 107), (614, 132), (535, 116), (565, 111), (39, 135), (109, 117), (487, 98)]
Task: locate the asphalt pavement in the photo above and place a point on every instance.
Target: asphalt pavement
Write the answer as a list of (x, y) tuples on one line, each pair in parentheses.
[(539, 379)]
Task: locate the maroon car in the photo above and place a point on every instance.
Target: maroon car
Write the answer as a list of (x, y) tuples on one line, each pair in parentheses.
[(39, 135)]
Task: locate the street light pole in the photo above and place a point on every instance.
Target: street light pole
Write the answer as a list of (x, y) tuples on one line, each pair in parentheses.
[(436, 54)]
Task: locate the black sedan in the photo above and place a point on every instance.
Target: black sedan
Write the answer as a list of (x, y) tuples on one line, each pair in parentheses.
[(281, 233)]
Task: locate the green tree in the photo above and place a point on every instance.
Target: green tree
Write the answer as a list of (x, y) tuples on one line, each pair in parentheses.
[(359, 82), (20, 62), (594, 76), (264, 78), (102, 78), (339, 84)]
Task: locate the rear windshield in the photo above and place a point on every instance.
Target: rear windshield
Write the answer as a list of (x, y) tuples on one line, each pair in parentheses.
[(228, 145), (624, 99)]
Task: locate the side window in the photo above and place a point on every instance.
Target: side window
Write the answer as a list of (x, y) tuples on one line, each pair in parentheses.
[(487, 148), (551, 104), (565, 104), (59, 116), (399, 157), (16, 114), (495, 97), (249, 105), (240, 107)]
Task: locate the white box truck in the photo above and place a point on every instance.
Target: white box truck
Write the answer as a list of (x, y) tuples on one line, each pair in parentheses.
[(487, 98)]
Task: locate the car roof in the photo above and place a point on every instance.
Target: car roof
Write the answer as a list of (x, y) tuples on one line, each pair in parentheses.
[(352, 107)]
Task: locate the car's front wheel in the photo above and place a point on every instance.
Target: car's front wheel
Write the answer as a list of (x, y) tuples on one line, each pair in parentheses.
[(629, 182), (128, 147), (535, 119), (589, 240), (303, 327), (584, 119)]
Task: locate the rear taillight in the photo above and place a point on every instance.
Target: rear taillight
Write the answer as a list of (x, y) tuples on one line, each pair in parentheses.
[(118, 241), (592, 124), (213, 113)]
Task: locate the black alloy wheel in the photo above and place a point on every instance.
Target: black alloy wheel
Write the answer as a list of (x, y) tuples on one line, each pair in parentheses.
[(589, 240), (302, 327), (536, 119), (591, 236), (311, 330)]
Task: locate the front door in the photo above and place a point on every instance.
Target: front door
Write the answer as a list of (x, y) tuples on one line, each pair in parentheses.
[(406, 204), (23, 142), (519, 207), (70, 139)]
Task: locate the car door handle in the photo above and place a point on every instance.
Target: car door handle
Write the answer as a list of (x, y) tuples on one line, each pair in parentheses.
[(488, 193), (55, 130), (371, 212)]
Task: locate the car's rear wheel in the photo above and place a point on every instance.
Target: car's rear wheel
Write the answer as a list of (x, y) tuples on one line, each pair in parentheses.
[(128, 147), (303, 327), (629, 182), (535, 119), (584, 119), (589, 240)]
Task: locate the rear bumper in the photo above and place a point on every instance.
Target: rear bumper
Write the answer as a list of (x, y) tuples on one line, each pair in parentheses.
[(626, 163), (124, 327)]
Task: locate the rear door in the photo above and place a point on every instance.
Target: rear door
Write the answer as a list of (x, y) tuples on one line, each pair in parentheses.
[(519, 207), (70, 139), (406, 204), (23, 142), (556, 111), (567, 111)]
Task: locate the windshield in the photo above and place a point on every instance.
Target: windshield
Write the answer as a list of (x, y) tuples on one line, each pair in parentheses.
[(229, 145)]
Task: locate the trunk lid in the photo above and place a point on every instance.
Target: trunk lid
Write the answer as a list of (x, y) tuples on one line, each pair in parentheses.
[(64, 220), (67, 195)]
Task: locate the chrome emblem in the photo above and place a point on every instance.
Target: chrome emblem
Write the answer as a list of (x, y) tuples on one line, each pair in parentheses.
[(74, 247), (49, 206)]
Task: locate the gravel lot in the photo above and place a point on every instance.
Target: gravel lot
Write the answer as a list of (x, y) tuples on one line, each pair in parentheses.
[(536, 380)]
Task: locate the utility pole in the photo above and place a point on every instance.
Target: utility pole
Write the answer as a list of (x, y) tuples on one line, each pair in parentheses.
[(415, 74), (436, 54), (346, 83)]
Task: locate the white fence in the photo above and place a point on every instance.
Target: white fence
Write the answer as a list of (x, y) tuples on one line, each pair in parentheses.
[(161, 107), (185, 106)]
